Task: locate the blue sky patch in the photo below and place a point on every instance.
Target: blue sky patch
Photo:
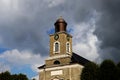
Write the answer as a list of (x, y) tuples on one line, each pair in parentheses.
[(3, 50), (26, 69), (51, 31)]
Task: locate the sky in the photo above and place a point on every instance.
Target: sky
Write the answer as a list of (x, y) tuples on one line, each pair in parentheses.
[(25, 26)]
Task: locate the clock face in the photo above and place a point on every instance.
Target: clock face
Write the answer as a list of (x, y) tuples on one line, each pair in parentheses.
[(56, 36), (68, 37)]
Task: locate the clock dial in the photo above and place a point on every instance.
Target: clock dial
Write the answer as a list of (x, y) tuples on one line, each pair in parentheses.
[(56, 36)]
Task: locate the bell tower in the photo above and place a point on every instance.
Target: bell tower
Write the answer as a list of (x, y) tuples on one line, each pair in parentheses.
[(62, 63), (60, 44)]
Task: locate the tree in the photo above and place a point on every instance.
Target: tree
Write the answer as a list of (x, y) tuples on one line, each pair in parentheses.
[(107, 70), (90, 72), (22, 77), (7, 76), (118, 71), (14, 77)]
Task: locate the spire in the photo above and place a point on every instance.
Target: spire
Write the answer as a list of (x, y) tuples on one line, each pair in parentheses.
[(60, 25)]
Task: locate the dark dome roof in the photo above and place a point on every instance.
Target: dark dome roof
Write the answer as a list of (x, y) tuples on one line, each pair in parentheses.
[(60, 25)]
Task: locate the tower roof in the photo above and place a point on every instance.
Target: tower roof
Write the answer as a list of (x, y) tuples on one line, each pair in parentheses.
[(60, 20), (60, 25)]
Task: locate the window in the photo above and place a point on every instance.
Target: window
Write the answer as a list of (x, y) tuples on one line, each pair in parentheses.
[(56, 62), (67, 47), (57, 47)]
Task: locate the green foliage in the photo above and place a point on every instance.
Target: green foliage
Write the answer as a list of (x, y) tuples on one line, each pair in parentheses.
[(118, 65), (7, 76), (90, 72), (106, 71), (118, 71)]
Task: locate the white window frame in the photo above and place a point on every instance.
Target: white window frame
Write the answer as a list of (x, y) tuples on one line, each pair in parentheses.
[(58, 47), (67, 47)]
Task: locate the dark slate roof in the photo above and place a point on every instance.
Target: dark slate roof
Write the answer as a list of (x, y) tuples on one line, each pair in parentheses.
[(78, 59), (40, 67), (74, 59)]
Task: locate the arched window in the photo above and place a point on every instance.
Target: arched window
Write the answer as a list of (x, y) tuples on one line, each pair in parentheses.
[(56, 62), (57, 47), (67, 47)]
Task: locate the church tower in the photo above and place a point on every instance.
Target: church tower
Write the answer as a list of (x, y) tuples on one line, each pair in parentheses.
[(62, 63), (60, 45)]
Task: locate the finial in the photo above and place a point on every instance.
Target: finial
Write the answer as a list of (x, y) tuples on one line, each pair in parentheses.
[(60, 17)]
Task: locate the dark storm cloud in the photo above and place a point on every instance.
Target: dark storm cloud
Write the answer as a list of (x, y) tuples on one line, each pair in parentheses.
[(26, 26), (26, 35), (108, 25), (108, 28), (26, 31)]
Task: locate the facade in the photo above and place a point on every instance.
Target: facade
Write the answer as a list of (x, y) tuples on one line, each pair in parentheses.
[(62, 63)]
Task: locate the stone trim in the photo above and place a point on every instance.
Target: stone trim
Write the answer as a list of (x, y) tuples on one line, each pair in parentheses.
[(61, 67), (58, 56), (61, 33)]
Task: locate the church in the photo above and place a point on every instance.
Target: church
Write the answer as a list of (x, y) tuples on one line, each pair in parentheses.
[(62, 63)]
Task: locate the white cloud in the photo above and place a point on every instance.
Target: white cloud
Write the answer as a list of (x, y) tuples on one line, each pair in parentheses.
[(9, 3), (18, 58), (53, 3), (10, 6), (16, 10), (85, 42), (4, 67)]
